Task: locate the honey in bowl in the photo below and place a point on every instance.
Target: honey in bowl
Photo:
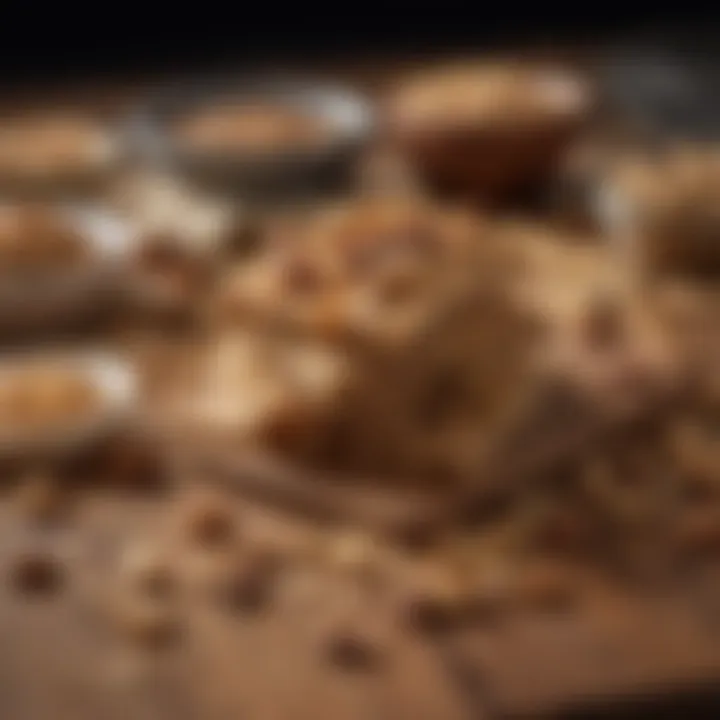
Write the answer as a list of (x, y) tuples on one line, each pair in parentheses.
[(251, 128)]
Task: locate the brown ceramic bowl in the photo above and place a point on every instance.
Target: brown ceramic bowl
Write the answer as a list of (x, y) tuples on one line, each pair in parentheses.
[(486, 131)]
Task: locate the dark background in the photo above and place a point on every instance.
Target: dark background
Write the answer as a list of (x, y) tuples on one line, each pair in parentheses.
[(40, 43)]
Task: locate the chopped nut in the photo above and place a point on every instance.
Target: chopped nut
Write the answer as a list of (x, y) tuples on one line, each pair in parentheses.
[(302, 278), (351, 650), (353, 552), (435, 604), (428, 613), (287, 431), (210, 523), (37, 574), (249, 586), (147, 571)]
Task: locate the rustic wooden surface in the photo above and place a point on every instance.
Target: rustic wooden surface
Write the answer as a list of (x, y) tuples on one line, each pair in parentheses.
[(63, 655)]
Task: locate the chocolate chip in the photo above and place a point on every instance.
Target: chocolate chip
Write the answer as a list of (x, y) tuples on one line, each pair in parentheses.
[(249, 587), (246, 592), (210, 525), (350, 650), (37, 574), (302, 277), (287, 431), (429, 614)]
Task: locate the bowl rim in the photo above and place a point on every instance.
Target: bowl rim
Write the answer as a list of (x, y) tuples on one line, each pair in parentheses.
[(148, 133)]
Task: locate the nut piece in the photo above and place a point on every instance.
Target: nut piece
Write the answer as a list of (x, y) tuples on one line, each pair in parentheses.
[(355, 554), (37, 574), (249, 585), (209, 523), (350, 649), (435, 604), (149, 574)]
